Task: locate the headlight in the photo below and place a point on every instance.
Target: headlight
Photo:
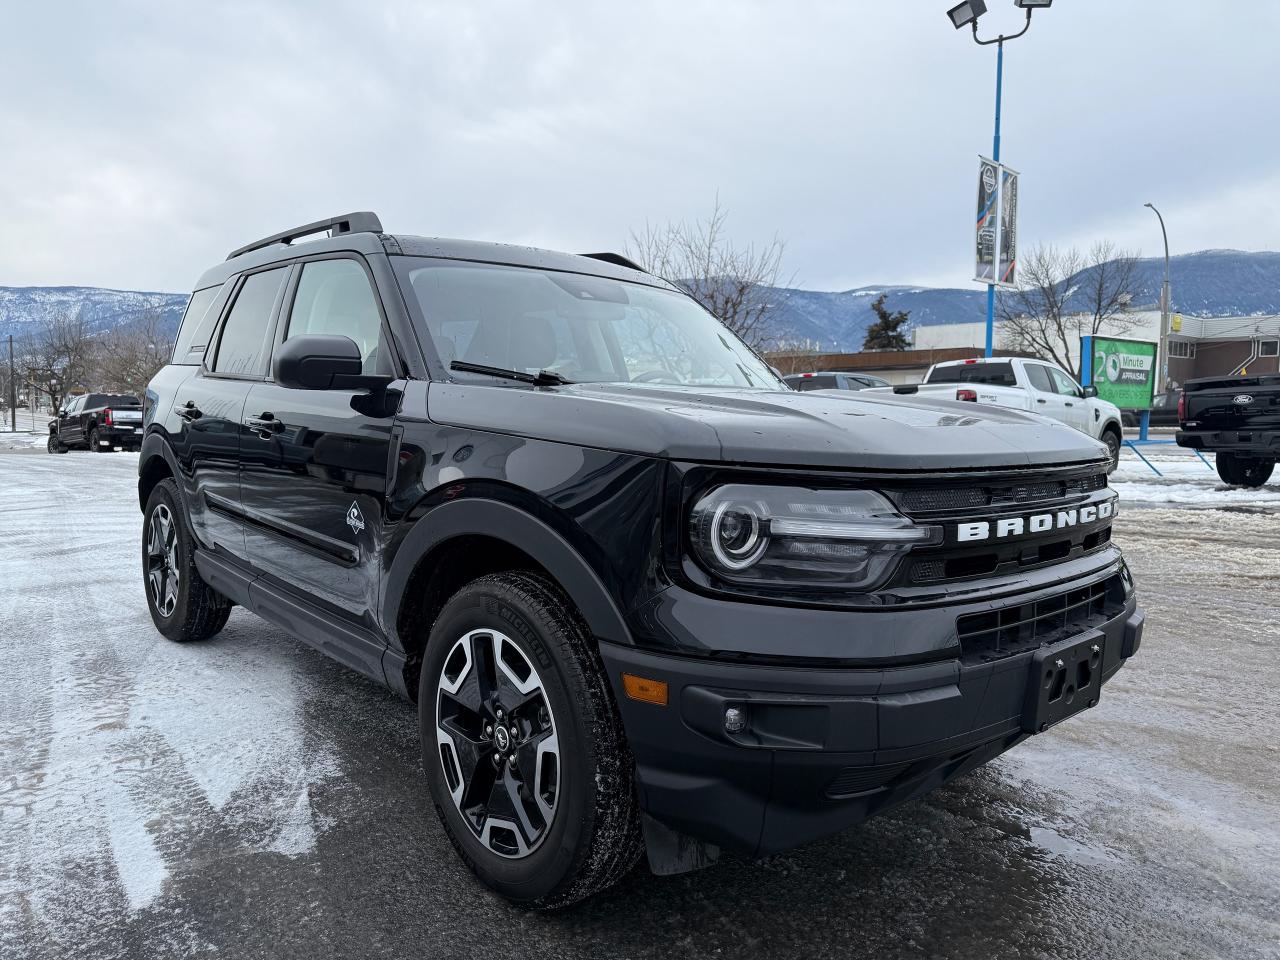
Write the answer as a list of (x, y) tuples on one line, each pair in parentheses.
[(799, 537)]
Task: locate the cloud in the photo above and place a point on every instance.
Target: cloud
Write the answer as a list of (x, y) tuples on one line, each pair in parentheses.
[(144, 140)]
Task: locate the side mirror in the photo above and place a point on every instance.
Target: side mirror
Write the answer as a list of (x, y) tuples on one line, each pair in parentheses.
[(318, 361), (1090, 391)]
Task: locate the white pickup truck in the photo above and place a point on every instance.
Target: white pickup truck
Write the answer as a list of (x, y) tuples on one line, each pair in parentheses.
[(1031, 385)]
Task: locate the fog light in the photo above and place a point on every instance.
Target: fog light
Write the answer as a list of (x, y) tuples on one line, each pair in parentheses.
[(735, 720)]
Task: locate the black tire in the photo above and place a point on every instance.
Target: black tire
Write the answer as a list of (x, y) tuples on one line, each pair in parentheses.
[(1241, 471), (1112, 439), (185, 608), (93, 441), (593, 835), (55, 445)]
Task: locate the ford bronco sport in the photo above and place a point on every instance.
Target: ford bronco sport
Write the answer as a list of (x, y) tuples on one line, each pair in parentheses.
[(645, 597)]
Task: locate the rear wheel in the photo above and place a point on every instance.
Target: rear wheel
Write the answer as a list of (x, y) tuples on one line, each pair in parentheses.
[(182, 605), (95, 445), (1244, 471), (523, 749)]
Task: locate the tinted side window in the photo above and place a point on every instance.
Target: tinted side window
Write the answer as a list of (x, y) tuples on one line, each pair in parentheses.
[(1038, 374), (815, 383), (197, 324), (245, 332), (334, 297)]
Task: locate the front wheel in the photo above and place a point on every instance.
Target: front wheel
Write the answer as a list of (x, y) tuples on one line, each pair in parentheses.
[(524, 751), (183, 607), (55, 445), (1112, 440)]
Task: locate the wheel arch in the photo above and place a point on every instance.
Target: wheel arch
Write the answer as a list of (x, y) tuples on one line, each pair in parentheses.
[(155, 463), (460, 540), (1114, 426)]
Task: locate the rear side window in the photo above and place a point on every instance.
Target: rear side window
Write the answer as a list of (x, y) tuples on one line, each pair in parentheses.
[(197, 324), (245, 332), (992, 374)]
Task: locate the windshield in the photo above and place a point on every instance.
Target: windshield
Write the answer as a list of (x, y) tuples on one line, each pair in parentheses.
[(586, 329)]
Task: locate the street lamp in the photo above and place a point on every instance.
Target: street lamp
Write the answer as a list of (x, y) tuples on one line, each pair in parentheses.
[(1166, 304), (967, 14)]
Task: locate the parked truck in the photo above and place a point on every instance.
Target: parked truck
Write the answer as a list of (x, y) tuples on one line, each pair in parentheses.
[(1238, 418), (1032, 385), (98, 422)]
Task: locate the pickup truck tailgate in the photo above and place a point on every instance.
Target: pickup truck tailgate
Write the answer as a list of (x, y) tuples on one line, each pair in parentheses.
[(1235, 403), (126, 417)]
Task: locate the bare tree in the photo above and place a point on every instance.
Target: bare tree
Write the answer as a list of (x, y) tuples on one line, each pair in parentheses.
[(1063, 295), (132, 354), (736, 284), (59, 355)]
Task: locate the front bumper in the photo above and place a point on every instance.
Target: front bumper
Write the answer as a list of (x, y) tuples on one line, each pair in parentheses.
[(824, 748)]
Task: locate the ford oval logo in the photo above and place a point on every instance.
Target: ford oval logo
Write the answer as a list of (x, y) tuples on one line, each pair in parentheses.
[(1242, 399)]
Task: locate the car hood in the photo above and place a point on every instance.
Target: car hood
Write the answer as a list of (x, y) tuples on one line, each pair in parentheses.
[(850, 429)]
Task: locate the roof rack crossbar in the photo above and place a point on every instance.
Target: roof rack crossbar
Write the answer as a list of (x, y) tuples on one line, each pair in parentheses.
[(362, 221), (617, 259)]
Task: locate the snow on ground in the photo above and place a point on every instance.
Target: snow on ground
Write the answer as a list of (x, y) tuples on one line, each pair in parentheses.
[(1184, 480), (22, 440)]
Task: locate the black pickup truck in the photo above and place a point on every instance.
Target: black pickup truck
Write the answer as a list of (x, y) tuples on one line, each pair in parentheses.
[(1238, 418), (98, 422)]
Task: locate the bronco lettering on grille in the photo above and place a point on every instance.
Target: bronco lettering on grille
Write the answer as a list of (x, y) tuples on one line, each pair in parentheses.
[(976, 530)]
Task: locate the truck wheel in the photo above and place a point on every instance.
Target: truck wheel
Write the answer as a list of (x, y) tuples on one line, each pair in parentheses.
[(182, 605), (55, 446), (1112, 439), (1244, 471), (524, 751), (94, 446)]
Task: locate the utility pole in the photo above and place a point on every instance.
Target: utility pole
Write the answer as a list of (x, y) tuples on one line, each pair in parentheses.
[(13, 386), (1162, 371)]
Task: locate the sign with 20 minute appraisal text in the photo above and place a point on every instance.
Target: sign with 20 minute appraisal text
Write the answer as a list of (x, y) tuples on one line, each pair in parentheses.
[(1124, 371)]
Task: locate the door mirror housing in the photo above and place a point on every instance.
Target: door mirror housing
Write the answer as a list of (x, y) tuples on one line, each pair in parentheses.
[(320, 361), (1090, 391)]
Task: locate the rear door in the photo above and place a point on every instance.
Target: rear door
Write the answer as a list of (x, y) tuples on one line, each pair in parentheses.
[(314, 463), (210, 405)]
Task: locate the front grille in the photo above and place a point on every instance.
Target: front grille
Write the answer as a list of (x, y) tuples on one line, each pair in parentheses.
[(1011, 630), (984, 495)]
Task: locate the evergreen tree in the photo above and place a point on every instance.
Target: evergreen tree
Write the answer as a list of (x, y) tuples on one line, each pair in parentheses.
[(887, 332)]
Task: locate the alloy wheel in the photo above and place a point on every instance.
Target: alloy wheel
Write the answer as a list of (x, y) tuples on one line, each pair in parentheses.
[(162, 560), (497, 743)]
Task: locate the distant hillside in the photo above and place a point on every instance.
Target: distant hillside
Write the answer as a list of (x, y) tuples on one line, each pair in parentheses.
[(1221, 283), (22, 307)]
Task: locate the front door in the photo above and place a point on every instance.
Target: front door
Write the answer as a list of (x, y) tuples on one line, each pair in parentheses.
[(1045, 398), (314, 462), (1077, 411)]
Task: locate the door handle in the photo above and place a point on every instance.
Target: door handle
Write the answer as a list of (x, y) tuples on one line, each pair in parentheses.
[(1070, 404), (1041, 400), (265, 424)]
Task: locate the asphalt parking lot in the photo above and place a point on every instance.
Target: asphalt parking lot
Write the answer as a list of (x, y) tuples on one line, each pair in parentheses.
[(249, 798)]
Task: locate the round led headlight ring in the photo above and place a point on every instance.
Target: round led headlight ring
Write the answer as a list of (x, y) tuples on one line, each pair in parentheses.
[(737, 536)]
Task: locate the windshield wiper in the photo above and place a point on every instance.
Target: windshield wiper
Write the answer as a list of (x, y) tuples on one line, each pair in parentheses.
[(543, 378)]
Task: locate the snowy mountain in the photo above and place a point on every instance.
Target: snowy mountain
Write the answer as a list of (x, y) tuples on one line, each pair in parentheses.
[(21, 308), (1222, 283)]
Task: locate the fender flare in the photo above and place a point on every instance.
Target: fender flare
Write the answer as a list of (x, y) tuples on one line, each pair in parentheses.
[(502, 521), (153, 446)]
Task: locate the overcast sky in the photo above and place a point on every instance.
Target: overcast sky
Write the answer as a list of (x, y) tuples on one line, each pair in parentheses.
[(141, 142)]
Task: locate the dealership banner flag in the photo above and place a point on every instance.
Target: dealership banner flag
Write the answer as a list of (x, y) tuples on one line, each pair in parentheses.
[(988, 220), (1008, 229)]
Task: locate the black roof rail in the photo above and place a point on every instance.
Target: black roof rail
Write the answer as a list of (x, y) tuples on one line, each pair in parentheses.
[(617, 259), (362, 221)]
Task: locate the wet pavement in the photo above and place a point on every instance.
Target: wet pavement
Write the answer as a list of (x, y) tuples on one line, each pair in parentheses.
[(248, 797)]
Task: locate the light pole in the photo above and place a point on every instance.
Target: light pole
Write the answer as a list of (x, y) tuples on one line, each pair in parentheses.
[(967, 14), (1166, 304)]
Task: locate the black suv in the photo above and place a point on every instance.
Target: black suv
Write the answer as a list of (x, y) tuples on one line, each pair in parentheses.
[(645, 597)]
